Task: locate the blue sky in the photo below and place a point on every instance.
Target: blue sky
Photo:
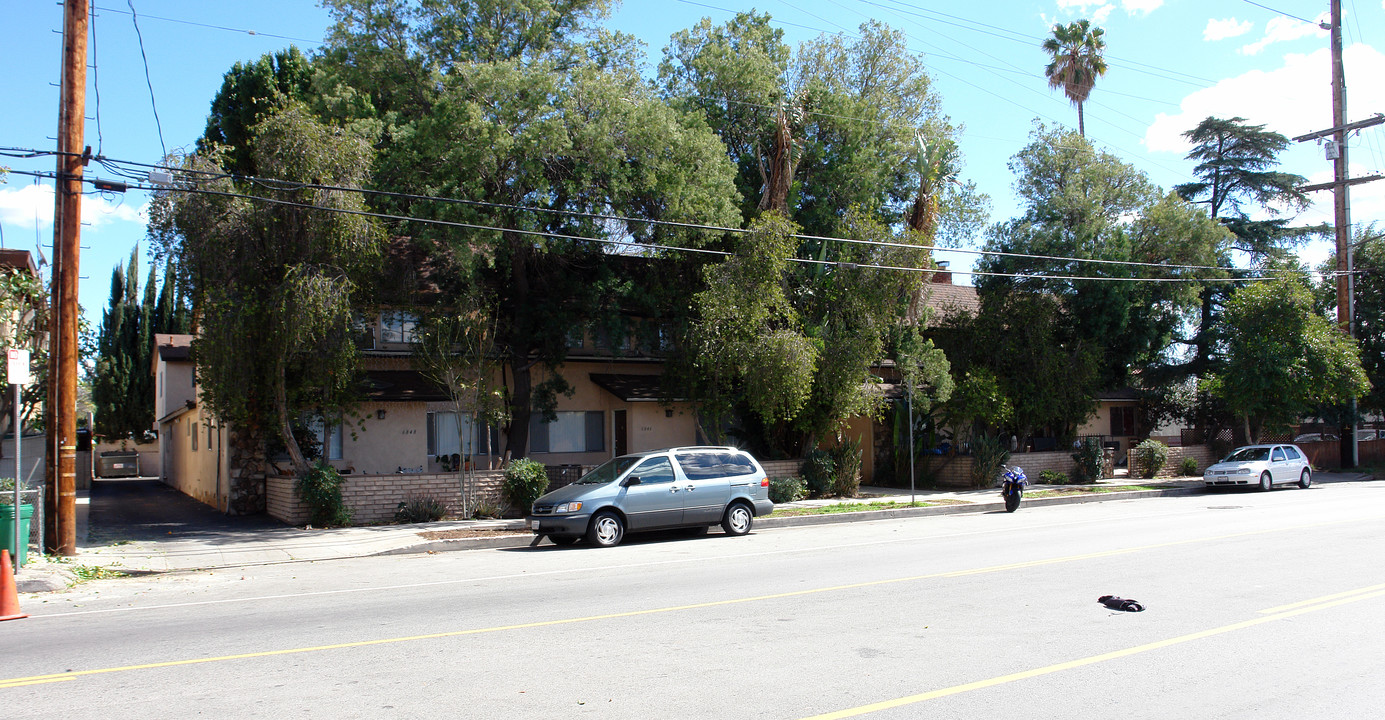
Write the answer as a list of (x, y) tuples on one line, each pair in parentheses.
[(1172, 63)]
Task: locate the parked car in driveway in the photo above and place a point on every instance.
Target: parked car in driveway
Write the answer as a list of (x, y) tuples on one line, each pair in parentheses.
[(1262, 465), (692, 487)]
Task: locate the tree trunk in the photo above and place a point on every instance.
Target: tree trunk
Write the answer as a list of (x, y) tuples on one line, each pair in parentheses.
[(1081, 125), (300, 465)]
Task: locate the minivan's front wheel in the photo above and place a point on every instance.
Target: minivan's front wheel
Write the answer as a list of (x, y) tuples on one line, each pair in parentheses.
[(606, 529), (737, 520)]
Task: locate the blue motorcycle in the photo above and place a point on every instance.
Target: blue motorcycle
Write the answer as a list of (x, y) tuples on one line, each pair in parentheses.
[(1012, 482)]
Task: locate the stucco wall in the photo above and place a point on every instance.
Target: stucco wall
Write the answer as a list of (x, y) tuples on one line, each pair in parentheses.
[(195, 473)]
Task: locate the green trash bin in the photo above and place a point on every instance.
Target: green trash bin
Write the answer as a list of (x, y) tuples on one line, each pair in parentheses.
[(19, 555)]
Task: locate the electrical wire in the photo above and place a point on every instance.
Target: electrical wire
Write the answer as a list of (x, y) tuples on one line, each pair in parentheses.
[(1281, 12), (95, 76), (625, 243), (282, 185), (148, 81), (285, 185), (217, 27)]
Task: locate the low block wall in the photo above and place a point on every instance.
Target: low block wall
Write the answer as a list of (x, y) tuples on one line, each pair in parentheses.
[(374, 498), (782, 468), (954, 471)]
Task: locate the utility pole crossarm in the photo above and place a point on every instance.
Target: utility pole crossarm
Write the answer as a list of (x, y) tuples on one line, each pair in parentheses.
[(1358, 125), (1340, 183)]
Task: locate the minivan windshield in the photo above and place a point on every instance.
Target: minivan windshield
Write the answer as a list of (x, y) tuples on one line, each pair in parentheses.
[(609, 470), (1248, 454)]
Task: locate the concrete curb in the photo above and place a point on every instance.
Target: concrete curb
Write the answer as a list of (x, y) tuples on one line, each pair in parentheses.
[(520, 541)]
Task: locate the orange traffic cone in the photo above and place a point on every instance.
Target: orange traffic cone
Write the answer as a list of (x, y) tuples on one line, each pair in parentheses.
[(9, 596)]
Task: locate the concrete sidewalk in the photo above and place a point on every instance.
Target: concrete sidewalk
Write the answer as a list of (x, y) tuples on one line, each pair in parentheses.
[(259, 543)]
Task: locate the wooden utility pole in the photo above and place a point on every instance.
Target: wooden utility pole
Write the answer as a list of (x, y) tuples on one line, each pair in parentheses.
[(61, 480), (1341, 203)]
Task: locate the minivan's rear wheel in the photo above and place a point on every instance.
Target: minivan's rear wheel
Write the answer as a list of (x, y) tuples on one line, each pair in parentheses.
[(1305, 480), (606, 529), (1265, 481), (737, 520)]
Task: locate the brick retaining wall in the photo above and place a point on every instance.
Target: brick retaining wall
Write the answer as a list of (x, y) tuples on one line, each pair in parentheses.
[(374, 498)]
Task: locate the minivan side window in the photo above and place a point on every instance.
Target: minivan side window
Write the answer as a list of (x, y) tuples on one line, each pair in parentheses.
[(705, 466), (1278, 455), (654, 470)]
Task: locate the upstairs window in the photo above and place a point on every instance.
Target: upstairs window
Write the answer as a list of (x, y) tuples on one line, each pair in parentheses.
[(398, 327)]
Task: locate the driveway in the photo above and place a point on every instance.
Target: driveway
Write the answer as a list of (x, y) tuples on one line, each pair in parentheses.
[(125, 510)]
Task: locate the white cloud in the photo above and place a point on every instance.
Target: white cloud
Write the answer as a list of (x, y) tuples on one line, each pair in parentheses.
[(1143, 7), (33, 204), (1095, 10), (1223, 29), (1293, 99), (1282, 29)]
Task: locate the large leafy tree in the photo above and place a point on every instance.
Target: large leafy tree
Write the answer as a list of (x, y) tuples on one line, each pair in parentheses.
[(1239, 184), (1019, 365), (816, 132), (1283, 360), (1087, 217), (531, 110), (274, 279), (1368, 284), (1077, 61)]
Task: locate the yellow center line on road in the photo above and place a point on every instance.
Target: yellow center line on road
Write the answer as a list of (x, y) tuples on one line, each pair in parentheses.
[(54, 677), (1305, 603), (1322, 603)]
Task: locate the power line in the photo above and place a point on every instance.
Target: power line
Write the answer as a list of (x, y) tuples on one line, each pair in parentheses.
[(1281, 12), (215, 27), (273, 184), (284, 185), (626, 243), (158, 125)]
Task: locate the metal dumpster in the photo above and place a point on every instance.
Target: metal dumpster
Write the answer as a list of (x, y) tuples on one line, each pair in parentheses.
[(117, 463)]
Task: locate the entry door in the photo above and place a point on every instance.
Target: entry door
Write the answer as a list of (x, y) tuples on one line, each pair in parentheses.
[(619, 433)]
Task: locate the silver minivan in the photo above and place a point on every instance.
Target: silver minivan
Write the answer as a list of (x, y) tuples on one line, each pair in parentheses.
[(678, 487)]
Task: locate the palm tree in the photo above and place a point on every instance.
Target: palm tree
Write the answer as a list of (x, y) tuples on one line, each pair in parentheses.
[(1076, 50)]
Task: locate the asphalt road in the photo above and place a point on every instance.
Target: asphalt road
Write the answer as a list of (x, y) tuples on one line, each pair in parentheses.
[(1259, 605)]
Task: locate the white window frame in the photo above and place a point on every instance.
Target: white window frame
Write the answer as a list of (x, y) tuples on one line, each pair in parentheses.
[(398, 327)]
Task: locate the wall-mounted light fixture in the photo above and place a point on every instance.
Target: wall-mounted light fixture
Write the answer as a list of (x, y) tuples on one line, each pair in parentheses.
[(380, 414)]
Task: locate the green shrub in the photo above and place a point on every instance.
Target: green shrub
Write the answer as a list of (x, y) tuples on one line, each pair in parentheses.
[(320, 490), (420, 508), (1150, 457), (818, 471), (7, 493), (525, 481), (1053, 477), (846, 462), (1188, 467), (787, 489), (988, 457), (1091, 462), (486, 510)]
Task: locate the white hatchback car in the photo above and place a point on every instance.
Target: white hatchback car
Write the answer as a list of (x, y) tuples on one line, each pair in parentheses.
[(1262, 465)]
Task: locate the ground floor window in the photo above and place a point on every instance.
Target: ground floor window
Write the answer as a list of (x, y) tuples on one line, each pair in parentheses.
[(452, 434), (329, 436), (571, 432)]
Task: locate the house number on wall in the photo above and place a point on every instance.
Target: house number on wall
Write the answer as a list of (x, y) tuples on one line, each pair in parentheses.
[(646, 429), (408, 432)]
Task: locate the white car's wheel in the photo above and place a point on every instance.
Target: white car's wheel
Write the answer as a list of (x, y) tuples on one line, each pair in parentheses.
[(1266, 482), (1305, 480)]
